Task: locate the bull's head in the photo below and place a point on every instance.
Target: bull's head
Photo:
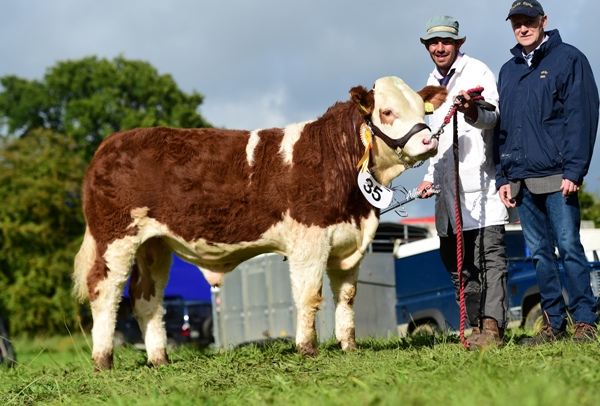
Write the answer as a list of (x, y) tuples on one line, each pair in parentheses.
[(394, 113)]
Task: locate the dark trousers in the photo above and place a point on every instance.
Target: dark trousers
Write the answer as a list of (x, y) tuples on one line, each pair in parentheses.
[(485, 272)]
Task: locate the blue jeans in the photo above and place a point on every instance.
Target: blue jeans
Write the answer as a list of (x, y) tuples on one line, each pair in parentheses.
[(547, 219)]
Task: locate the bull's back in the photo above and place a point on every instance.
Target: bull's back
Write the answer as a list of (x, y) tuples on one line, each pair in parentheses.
[(197, 182)]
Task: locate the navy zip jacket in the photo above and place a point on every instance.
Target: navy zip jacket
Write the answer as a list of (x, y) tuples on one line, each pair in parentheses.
[(548, 114)]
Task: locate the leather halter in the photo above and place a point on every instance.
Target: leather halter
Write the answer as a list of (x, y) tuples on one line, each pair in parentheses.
[(399, 143)]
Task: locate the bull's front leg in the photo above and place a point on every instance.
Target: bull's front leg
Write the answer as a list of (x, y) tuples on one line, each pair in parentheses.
[(307, 286), (343, 286)]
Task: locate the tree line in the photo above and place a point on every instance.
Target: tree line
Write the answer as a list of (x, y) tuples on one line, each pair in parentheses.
[(49, 130)]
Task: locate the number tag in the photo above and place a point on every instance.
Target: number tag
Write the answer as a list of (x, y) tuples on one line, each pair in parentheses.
[(377, 194)]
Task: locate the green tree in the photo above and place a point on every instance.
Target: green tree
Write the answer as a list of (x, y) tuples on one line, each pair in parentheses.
[(91, 98), (40, 227), (49, 130), (590, 206)]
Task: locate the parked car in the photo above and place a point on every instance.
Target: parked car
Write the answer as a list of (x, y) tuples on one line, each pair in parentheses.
[(186, 321), (425, 295), (7, 352)]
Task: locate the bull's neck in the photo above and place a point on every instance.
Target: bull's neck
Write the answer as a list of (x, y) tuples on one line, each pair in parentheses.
[(385, 167)]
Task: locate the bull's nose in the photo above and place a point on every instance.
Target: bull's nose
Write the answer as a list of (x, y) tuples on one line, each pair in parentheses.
[(428, 140), (433, 143)]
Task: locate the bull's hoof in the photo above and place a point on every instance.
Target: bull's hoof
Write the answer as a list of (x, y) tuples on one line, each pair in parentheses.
[(308, 349), (103, 362), (159, 361), (349, 345)]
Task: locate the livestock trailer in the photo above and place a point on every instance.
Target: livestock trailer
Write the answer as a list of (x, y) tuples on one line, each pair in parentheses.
[(255, 303)]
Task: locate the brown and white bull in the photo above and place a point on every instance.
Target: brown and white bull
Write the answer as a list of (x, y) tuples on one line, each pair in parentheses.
[(218, 197)]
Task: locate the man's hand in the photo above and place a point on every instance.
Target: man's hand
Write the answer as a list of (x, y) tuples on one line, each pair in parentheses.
[(569, 187), (506, 196), (425, 190), (466, 106)]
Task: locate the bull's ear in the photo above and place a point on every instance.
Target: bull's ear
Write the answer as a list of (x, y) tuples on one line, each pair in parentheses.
[(433, 97), (364, 100)]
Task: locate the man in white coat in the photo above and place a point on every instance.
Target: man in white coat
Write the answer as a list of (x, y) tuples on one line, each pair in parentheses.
[(483, 213)]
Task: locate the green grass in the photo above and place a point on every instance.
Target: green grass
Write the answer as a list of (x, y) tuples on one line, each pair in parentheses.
[(412, 371)]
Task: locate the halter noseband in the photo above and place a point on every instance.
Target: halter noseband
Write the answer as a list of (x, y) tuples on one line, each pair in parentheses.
[(399, 143)]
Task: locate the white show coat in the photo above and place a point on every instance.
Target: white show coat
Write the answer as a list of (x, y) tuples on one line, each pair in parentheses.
[(480, 202)]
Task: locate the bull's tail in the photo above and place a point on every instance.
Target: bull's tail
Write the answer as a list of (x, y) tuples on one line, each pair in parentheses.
[(84, 260)]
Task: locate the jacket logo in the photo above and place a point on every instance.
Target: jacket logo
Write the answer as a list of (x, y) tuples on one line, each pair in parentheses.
[(543, 74)]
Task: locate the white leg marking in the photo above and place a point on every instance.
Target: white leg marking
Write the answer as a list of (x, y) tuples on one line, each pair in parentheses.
[(308, 260), (153, 262), (343, 286), (119, 258)]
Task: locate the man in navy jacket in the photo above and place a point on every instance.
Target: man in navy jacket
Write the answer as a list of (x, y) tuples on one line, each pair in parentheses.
[(543, 148)]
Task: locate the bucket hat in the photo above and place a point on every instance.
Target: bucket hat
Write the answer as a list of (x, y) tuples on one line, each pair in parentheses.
[(442, 27)]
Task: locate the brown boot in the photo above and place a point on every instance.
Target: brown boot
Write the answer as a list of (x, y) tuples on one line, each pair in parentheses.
[(474, 337), (491, 336)]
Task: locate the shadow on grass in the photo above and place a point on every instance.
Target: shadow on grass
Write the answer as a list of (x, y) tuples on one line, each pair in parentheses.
[(287, 346), (283, 345), (377, 344)]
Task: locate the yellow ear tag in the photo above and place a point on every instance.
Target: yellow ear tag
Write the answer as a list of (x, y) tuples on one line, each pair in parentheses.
[(366, 136), (429, 107)]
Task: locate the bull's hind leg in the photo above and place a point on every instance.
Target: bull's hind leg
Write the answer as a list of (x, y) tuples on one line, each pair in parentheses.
[(148, 281), (343, 286), (105, 282)]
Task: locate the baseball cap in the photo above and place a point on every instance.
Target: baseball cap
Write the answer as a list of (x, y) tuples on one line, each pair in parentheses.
[(530, 8)]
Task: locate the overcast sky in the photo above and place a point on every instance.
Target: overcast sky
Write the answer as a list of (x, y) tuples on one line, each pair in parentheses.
[(266, 63)]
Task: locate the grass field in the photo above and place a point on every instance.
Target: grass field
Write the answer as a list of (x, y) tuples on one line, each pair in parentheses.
[(412, 371)]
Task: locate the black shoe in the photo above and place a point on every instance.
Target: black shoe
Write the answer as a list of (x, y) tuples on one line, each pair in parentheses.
[(547, 334), (585, 333)]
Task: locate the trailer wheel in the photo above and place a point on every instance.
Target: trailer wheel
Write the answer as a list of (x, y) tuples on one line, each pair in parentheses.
[(207, 330), (534, 319), (429, 328)]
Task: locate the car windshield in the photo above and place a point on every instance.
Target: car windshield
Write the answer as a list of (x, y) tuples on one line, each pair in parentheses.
[(515, 246), (173, 312), (199, 312)]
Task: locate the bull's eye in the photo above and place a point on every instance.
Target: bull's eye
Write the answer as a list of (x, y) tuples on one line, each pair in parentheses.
[(387, 116)]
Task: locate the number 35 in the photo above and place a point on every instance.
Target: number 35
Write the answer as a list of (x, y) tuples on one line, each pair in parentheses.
[(375, 192)]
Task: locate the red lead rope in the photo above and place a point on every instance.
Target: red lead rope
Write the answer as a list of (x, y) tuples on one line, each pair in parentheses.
[(475, 94), (459, 236)]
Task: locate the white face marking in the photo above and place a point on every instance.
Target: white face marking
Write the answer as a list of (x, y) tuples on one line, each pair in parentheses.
[(397, 109), (393, 97)]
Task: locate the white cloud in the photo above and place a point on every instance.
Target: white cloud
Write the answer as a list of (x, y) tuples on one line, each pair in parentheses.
[(269, 63), (266, 111)]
